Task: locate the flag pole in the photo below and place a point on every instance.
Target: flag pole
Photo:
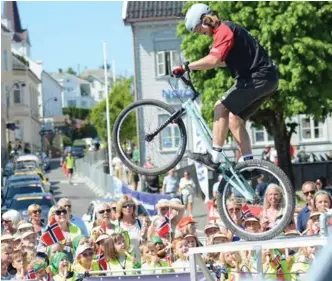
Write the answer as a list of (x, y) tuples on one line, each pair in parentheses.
[(170, 231), (107, 113)]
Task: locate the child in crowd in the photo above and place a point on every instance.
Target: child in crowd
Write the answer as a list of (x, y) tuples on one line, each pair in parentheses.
[(61, 268), (192, 240), (20, 264), (303, 260), (150, 259), (322, 201), (118, 256), (29, 243), (84, 259), (232, 261), (180, 248)]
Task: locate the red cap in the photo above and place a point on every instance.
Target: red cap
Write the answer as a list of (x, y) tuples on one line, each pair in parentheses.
[(185, 221)]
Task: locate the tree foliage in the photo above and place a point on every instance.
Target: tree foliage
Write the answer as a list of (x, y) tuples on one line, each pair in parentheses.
[(297, 35), (70, 70), (76, 112), (119, 97)]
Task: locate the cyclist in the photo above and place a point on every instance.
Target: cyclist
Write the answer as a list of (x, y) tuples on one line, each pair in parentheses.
[(256, 79)]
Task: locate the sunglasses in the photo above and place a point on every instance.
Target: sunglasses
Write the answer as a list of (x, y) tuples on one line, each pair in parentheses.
[(130, 205), (36, 211), (67, 206), (113, 208), (312, 192), (6, 221), (59, 212), (104, 211), (87, 254)]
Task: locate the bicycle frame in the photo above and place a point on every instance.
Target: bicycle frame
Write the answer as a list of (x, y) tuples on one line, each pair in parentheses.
[(190, 108)]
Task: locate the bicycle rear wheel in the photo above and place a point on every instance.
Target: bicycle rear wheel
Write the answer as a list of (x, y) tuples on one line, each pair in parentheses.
[(274, 212), (165, 150)]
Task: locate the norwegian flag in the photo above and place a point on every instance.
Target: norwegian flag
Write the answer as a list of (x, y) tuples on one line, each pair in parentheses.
[(31, 274), (101, 259), (165, 227), (103, 228), (52, 234), (245, 212)]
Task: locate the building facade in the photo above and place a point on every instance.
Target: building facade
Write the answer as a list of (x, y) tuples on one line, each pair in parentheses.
[(6, 85), (76, 91)]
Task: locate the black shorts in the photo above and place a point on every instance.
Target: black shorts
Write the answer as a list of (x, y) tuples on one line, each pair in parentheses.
[(248, 94), (70, 171)]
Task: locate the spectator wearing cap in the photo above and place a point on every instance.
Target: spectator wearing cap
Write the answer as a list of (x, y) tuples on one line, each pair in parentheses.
[(308, 190), (24, 226), (100, 241), (192, 240), (252, 224), (313, 225), (17, 241), (66, 203), (162, 250), (39, 267), (29, 243), (219, 238), (84, 259), (187, 225), (10, 220), (173, 208), (34, 212), (211, 229), (273, 206), (7, 238), (170, 184)]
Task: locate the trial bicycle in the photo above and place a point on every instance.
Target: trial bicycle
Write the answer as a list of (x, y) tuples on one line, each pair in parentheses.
[(162, 135)]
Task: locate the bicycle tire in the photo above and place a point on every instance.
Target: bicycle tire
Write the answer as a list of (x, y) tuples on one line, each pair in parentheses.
[(121, 155), (289, 208)]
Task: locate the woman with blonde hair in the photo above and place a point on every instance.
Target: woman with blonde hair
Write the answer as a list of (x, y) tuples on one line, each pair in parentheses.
[(103, 223), (127, 221), (273, 206), (34, 212), (118, 256)]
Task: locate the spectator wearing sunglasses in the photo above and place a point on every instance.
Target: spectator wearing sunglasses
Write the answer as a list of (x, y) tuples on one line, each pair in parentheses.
[(66, 203), (114, 216), (103, 222), (308, 190), (69, 230), (34, 212), (10, 219), (128, 221)]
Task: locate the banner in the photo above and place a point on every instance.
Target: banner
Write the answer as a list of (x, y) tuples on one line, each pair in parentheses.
[(152, 277), (148, 200)]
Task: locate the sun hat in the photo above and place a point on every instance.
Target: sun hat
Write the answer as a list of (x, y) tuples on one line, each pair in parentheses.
[(82, 248), (185, 221), (27, 233), (219, 235), (252, 218), (24, 225), (102, 237), (210, 225), (314, 214), (7, 236)]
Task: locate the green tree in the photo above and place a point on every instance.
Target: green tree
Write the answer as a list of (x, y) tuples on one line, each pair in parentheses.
[(119, 97), (76, 112), (297, 35), (70, 70)]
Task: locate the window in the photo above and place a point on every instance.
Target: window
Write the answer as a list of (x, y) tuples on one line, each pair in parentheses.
[(101, 95), (170, 136), (71, 103), (17, 94), (260, 135), (311, 129), (7, 96), (166, 61), (5, 58), (84, 104)]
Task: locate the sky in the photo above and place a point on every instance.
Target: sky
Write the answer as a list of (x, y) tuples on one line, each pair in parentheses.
[(68, 34)]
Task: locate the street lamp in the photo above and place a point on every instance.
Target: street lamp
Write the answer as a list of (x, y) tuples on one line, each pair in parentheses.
[(46, 102)]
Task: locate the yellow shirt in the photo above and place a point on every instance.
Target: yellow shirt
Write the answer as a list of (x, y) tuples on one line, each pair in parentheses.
[(78, 268)]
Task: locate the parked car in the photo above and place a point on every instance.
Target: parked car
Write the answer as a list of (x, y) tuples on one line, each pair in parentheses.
[(39, 173), (21, 202), (90, 216), (77, 151), (21, 188)]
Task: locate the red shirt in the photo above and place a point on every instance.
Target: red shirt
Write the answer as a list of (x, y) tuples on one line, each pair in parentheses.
[(223, 42)]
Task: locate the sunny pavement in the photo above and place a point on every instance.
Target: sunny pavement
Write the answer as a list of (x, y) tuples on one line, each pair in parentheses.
[(80, 195)]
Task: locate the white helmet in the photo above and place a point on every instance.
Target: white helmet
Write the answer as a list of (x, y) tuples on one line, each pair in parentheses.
[(194, 14)]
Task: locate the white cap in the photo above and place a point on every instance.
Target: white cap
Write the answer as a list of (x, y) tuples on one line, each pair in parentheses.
[(25, 225), (82, 248)]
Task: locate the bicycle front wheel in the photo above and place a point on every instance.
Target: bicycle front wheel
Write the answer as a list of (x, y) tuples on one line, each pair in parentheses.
[(160, 154), (263, 220)]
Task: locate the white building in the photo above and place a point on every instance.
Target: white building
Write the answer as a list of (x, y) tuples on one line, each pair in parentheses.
[(76, 91), (97, 82), (6, 85)]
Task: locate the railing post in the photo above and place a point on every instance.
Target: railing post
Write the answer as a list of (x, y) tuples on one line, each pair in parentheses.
[(259, 264), (193, 273)]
